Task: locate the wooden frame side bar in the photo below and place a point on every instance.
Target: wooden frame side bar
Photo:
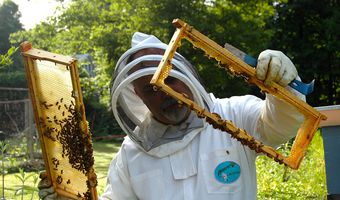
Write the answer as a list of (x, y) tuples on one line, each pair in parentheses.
[(238, 67)]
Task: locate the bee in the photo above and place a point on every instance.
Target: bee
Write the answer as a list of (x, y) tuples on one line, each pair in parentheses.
[(59, 179)]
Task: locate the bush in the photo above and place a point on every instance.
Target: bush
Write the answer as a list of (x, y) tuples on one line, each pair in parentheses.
[(15, 79), (308, 182)]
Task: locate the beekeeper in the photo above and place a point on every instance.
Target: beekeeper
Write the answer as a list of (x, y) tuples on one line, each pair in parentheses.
[(172, 154)]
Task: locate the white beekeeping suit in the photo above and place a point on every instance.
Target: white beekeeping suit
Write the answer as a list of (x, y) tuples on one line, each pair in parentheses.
[(191, 160)]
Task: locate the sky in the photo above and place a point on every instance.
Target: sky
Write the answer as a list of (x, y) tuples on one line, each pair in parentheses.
[(35, 11)]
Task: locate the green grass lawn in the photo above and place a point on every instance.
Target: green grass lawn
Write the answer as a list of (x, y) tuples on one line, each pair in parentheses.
[(103, 154), (274, 181)]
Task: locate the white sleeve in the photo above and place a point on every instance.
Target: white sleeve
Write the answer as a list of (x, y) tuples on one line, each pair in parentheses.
[(118, 185), (279, 121)]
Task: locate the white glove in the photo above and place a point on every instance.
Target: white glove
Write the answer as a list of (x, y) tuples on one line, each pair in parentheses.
[(279, 120), (46, 190), (274, 66)]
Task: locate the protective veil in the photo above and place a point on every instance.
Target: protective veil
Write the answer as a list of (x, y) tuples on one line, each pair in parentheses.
[(132, 114), (191, 160), (194, 161)]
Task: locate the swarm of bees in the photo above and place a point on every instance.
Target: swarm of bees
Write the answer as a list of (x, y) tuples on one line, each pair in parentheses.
[(76, 146)]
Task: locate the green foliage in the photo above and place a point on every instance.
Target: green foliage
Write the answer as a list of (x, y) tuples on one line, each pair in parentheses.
[(275, 182), (5, 60), (100, 119), (18, 182), (104, 29), (305, 30), (308, 32), (103, 153), (13, 79), (23, 177), (3, 147), (13, 189), (9, 75), (241, 24), (308, 182), (9, 23), (34, 188)]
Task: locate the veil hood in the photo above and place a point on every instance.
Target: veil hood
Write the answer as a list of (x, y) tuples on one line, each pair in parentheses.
[(129, 110)]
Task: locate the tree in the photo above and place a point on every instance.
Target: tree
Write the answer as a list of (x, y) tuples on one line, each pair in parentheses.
[(9, 23), (242, 24), (223, 21), (308, 32), (103, 28), (11, 70)]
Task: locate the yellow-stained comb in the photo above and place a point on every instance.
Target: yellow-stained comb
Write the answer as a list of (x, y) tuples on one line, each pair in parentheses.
[(59, 114), (238, 67)]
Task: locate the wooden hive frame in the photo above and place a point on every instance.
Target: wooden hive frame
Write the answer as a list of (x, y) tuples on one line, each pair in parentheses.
[(72, 179), (238, 67)]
